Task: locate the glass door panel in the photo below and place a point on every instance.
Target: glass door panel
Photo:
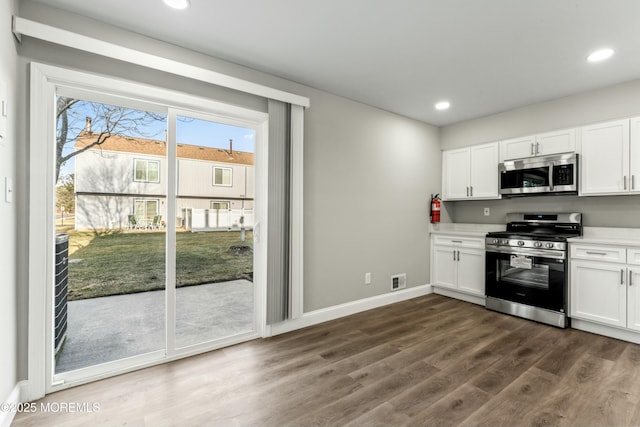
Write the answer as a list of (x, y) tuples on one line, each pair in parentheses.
[(109, 290), (214, 231)]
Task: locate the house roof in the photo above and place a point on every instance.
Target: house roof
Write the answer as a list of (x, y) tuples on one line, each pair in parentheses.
[(152, 147)]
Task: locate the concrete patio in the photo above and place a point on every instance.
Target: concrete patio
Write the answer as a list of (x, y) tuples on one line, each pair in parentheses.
[(110, 328)]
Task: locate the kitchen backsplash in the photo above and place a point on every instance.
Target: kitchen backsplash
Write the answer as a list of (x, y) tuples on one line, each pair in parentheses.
[(601, 211)]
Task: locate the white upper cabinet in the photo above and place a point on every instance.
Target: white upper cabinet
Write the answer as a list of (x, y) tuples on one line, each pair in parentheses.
[(456, 172), (470, 173), (634, 156), (484, 172), (605, 158), (559, 141), (518, 148)]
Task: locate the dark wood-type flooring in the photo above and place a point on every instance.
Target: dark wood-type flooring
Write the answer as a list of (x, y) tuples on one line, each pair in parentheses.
[(430, 361)]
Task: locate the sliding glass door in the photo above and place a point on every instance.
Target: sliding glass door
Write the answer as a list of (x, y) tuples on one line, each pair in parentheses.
[(214, 230), (153, 214)]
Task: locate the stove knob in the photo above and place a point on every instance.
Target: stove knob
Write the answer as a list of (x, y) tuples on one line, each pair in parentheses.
[(550, 245), (537, 244), (494, 241), (520, 243), (505, 242)]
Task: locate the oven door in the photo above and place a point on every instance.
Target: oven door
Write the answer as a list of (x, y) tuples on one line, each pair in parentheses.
[(528, 277)]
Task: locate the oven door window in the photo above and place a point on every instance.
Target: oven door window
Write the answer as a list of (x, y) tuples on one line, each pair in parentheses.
[(522, 271), (530, 280), (525, 178)]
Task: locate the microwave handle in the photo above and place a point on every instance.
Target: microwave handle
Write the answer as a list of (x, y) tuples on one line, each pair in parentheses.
[(551, 176)]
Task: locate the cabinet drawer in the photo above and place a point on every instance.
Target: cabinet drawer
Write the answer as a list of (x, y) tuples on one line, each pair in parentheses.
[(633, 256), (599, 253), (462, 242)]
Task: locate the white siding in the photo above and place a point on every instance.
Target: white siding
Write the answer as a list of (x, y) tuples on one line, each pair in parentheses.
[(108, 212), (195, 178), (112, 172)]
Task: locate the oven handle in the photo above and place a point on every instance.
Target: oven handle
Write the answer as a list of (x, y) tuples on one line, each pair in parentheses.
[(524, 251)]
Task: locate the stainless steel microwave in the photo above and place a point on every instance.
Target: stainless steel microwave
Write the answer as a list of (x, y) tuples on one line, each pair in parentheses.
[(556, 174)]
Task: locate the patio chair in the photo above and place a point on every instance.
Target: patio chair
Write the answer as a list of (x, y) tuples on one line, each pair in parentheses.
[(133, 223), (155, 223)]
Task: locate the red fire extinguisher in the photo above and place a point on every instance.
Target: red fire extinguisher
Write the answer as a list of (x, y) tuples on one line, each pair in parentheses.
[(435, 208)]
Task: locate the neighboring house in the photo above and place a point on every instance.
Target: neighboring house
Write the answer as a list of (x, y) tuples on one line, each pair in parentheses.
[(128, 176)]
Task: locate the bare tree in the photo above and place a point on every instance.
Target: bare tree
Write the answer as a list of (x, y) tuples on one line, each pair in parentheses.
[(97, 121)]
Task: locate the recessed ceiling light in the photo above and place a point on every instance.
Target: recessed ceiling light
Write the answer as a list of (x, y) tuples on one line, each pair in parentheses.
[(177, 4), (600, 55), (443, 105)]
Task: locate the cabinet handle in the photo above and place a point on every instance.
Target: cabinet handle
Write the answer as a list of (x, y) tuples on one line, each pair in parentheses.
[(537, 148), (625, 182), (454, 255), (456, 241), (471, 192), (532, 150), (633, 182), (622, 276), (630, 278), (595, 253), (467, 191), (458, 255)]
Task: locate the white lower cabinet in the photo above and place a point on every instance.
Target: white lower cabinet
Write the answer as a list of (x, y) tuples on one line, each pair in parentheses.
[(604, 285), (458, 264), (633, 299), (599, 293), (471, 271)]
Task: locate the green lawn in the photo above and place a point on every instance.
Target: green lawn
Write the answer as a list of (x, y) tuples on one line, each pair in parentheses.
[(122, 263)]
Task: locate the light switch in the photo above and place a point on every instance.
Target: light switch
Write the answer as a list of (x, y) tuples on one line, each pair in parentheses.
[(8, 189)]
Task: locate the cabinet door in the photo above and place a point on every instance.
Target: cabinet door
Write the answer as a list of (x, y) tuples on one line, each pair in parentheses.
[(518, 148), (633, 256), (471, 271), (484, 172), (634, 156), (599, 292), (633, 299), (455, 170), (604, 165), (444, 266), (561, 141)]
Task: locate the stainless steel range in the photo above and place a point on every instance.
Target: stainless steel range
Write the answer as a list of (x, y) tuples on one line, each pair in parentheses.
[(526, 266)]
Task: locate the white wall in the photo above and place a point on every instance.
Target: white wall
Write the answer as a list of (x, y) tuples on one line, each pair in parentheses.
[(8, 217), (360, 163), (368, 177), (618, 101), (622, 100)]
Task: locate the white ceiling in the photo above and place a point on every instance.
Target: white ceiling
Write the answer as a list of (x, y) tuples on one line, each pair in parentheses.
[(484, 56)]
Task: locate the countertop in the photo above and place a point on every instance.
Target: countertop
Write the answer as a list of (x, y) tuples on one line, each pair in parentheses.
[(608, 236), (464, 229)]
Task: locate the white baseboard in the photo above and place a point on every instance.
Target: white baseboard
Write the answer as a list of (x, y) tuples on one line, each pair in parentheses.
[(609, 331), (346, 309), (6, 416)]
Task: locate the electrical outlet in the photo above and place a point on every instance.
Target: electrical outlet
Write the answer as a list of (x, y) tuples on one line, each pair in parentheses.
[(487, 211), (367, 278)]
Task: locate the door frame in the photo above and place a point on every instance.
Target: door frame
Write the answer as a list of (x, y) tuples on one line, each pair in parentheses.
[(44, 79)]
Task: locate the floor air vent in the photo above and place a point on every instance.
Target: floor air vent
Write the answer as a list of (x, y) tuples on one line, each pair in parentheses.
[(399, 281)]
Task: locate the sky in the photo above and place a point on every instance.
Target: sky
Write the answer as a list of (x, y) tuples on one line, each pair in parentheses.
[(189, 131)]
